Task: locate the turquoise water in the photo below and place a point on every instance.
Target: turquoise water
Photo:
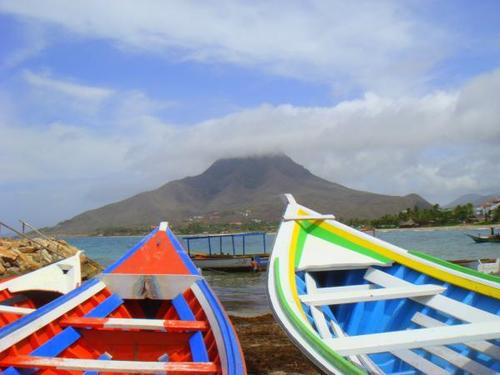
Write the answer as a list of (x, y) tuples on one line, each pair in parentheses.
[(245, 293)]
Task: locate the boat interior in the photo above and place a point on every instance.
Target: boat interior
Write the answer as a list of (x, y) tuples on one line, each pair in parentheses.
[(384, 319)]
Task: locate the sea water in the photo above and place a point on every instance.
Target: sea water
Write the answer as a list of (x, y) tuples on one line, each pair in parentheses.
[(244, 293)]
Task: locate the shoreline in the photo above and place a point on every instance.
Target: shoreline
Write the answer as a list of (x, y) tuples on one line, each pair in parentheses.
[(440, 228), (423, 229)]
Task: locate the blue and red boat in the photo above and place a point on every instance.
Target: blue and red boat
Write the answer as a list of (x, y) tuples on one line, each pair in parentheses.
[(149, 312)]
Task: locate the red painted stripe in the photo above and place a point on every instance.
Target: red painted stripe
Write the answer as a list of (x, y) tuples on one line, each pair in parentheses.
[(156, 257), (26, 361), (80, 322), (184, 325), (169, 325)]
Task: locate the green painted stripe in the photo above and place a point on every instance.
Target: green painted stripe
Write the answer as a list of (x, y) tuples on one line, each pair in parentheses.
[(315, 230), (456, 267), (299, 247), (330, 355)]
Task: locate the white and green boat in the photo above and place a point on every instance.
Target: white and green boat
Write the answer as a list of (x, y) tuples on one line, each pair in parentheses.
[(355, 304)]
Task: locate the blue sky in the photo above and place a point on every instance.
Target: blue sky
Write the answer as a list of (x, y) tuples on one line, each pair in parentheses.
[(101, 102)]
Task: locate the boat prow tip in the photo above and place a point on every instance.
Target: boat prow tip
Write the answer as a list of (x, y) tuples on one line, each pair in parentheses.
[(163, 226), (288, 198)]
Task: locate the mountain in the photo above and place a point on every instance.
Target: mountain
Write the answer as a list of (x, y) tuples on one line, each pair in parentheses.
[(475, 199), (238, 190)]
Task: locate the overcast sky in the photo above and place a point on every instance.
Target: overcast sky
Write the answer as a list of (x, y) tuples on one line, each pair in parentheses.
[(102, 100)]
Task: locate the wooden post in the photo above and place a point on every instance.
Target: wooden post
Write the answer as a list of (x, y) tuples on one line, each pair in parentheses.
[(220, 245), (244, 243), (209, 246), (264, 241), (25, 223), (189, 246), (232, 240)]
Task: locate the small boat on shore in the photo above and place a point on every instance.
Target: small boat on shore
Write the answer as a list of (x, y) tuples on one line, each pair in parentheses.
[(149, 312), (355, 304), (22, 295), (491, 266), (231, 263)]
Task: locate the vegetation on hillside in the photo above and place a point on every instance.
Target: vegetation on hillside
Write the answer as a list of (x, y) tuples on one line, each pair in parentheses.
[(435, 216), (416, 217)]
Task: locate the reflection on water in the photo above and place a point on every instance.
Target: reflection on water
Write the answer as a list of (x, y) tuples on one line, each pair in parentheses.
[(244, 293)]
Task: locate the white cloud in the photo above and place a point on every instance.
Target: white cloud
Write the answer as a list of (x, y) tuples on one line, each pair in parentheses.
[(440, 145), (74, 90), (375, 45)]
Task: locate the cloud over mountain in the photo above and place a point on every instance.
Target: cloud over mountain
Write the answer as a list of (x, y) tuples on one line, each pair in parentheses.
[(438, 145)]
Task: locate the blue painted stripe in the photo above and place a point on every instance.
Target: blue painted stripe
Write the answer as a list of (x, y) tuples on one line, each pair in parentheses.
[(102, 357), (7, 330), (196, 343), (51, 348), (198, 348), (106, 307), (231, 346), (182, 253), (182, 308), (64, 339), (131, 251)]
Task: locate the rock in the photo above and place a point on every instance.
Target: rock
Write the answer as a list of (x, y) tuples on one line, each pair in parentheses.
[(45, 256), (21, 256), (8, 254), (27, 263)]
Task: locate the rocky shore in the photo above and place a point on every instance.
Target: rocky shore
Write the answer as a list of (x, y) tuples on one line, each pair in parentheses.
[(19, 256), (267, 349)]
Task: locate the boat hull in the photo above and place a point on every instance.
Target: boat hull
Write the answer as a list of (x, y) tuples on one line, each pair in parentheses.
[(348, 301), (231, 263), (480, 239), (152, 298)]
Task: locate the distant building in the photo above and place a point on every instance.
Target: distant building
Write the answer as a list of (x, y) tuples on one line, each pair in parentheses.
[(408, 224), (487, 207)]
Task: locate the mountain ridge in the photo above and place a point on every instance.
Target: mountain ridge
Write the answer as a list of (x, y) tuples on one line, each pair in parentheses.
[(239, 190), (475, 199)]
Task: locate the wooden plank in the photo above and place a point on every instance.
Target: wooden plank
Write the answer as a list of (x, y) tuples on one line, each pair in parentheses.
[(415, 338), (318, 316), (481, 346), (340, 297), (72, 364), (102, 357), (347, 288), (419, 363), (309, 217), (322, 326), (445, 304), (143, 324), (15, 310), (27, 329), (459, 360)]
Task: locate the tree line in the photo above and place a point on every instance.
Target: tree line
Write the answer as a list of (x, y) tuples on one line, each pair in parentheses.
[(434, 216)]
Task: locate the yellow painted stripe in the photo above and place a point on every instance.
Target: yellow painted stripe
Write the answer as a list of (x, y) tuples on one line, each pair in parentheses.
[(433, 271), (291, 269)]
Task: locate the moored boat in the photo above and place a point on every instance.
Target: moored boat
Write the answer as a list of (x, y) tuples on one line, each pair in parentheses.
[(149, 312), (231, 263), (356, 304), (22, 295), (482, 239)]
